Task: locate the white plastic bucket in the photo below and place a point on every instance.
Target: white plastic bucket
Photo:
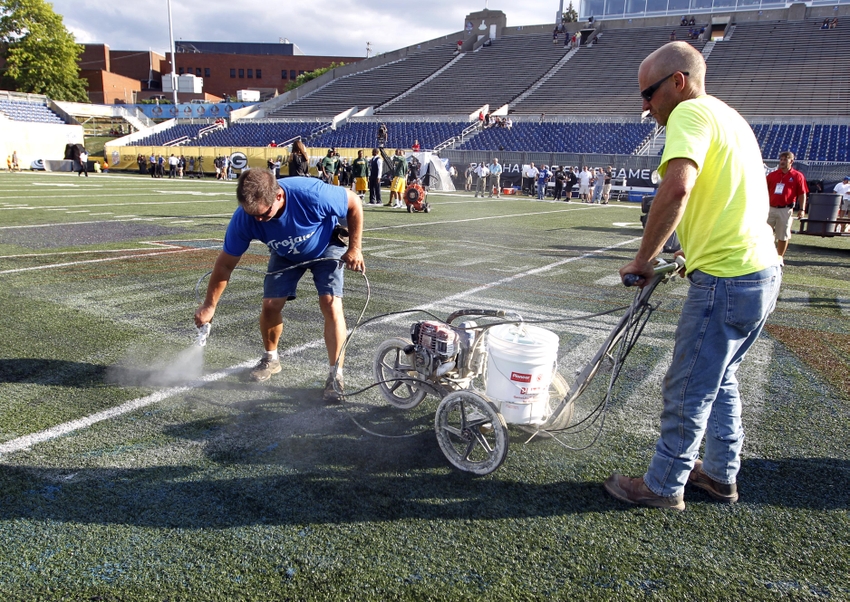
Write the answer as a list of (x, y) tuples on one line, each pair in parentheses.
[(521, 360)]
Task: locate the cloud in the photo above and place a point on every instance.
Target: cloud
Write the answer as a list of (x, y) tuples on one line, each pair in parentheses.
[(340, 29)]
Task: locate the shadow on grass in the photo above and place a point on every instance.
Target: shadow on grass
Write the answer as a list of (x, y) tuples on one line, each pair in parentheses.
[(51, 372), (181, 496)]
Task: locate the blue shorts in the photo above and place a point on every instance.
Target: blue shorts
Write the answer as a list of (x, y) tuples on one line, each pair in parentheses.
[(327, 275)]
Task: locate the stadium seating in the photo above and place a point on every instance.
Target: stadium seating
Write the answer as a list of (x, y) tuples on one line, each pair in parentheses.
[(368, 88), (492, 75), (830, 143), (782, 68), (776, 138), (29, 111), (400, 134), (601, 79), (614, 138)]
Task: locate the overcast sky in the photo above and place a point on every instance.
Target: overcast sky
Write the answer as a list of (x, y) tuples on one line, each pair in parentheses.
[(338, 28)]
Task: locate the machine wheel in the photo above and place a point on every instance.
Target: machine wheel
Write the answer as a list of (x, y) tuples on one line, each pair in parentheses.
[(471, 433), (396, 375), (558, 389), (427, 208), (410, 208)]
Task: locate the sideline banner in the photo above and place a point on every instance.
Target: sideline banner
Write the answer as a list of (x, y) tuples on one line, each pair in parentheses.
[(126, 157)]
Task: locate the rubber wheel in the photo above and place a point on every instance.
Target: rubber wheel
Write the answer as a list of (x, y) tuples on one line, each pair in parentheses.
[(427, 208), (396, 375), (471, 433), (410, 208)]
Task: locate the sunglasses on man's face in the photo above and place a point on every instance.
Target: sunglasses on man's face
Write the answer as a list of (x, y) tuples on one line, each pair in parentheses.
[(266, 215), (647, 93)]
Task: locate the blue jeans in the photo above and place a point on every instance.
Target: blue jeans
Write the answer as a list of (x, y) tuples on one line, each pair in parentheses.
[(721, 319), (541, 190)]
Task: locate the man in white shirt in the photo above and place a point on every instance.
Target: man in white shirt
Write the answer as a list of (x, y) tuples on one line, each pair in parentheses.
[(482, 171), (529, 175), (843, 188), (584, 184)]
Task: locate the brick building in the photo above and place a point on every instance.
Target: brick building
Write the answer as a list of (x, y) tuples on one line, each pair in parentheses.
[(230, 66), (128, 76), (120, 76)]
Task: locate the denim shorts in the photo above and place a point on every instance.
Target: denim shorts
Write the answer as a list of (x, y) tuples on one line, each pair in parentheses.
[(327, 275)]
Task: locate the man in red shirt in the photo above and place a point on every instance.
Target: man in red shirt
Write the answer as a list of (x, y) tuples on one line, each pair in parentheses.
[(786, 186)]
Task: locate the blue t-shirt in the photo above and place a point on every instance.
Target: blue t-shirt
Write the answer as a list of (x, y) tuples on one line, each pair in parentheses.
[(543, 176), (302, 231)]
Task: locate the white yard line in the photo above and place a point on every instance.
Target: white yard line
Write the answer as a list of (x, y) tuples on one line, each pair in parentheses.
[(106, 196), (73, 263)]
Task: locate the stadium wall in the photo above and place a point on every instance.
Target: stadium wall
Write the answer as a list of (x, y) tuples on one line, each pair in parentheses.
[(36, 141)]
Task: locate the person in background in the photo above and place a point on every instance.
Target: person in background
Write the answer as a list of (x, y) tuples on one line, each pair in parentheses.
[(787, 187), (376, 166)]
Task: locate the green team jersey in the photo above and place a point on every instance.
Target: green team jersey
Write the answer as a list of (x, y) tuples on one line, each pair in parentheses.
[(359, 168), (399, 167), (329, 165)]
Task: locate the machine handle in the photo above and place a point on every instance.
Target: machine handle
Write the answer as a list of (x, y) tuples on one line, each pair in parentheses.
[(661, 269)]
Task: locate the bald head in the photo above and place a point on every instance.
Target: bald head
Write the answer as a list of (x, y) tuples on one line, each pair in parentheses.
[(672, 57)]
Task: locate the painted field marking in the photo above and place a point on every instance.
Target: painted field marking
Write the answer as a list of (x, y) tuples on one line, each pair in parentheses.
[(474, 219), (159, 245), (74, 196), (73, 263), (27, 441)]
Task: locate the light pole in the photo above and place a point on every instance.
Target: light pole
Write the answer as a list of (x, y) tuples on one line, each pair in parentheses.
[(173, 59)]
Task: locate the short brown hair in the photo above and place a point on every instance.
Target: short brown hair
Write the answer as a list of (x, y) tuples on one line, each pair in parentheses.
[(788, 154), (256, 190)]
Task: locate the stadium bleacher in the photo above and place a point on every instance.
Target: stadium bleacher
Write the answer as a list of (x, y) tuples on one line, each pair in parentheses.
[(613, 138), (782, 68), (29, 111), (372, 87), (492, 75), (601, 79), (400, 134)]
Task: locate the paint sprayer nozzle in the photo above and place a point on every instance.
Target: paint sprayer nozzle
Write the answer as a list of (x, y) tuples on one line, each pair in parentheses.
[(203, 335)]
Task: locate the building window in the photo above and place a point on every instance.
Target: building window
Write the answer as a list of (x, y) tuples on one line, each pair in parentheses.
[(180, 71), (241, 73), (259, 74), (206, 72), (198, 71), (233, 73), (283, 74), (292, 74), (300, 73), (250, 74)]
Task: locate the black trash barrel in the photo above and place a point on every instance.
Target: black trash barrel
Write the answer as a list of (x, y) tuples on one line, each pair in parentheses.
[(823, 208)]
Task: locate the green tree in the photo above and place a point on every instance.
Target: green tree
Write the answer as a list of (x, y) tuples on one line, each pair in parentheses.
[(571, 16), (305, 77), (39, 54)]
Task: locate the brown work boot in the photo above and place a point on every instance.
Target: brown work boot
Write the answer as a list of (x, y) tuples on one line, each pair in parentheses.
[(635, 491), (264, 369), (727, 494)]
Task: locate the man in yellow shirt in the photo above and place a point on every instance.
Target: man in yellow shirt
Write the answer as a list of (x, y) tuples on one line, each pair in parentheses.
[(713, 195)]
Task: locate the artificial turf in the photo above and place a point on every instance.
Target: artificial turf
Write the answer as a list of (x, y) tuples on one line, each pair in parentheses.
[(231, 490)]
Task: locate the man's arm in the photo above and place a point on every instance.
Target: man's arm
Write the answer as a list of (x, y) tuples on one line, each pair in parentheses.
[(353, 257), (667, 210), (801, 203), (224, 266)]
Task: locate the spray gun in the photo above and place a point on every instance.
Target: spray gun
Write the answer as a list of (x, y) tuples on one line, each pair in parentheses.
[(203, 334)]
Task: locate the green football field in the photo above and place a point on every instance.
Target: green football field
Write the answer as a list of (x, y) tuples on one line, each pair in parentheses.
[(133, 468)]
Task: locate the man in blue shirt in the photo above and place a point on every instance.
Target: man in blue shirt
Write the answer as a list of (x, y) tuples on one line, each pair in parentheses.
[(298, 219)]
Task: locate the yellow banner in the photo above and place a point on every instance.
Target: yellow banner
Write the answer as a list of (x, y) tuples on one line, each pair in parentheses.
[(126, 157)]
